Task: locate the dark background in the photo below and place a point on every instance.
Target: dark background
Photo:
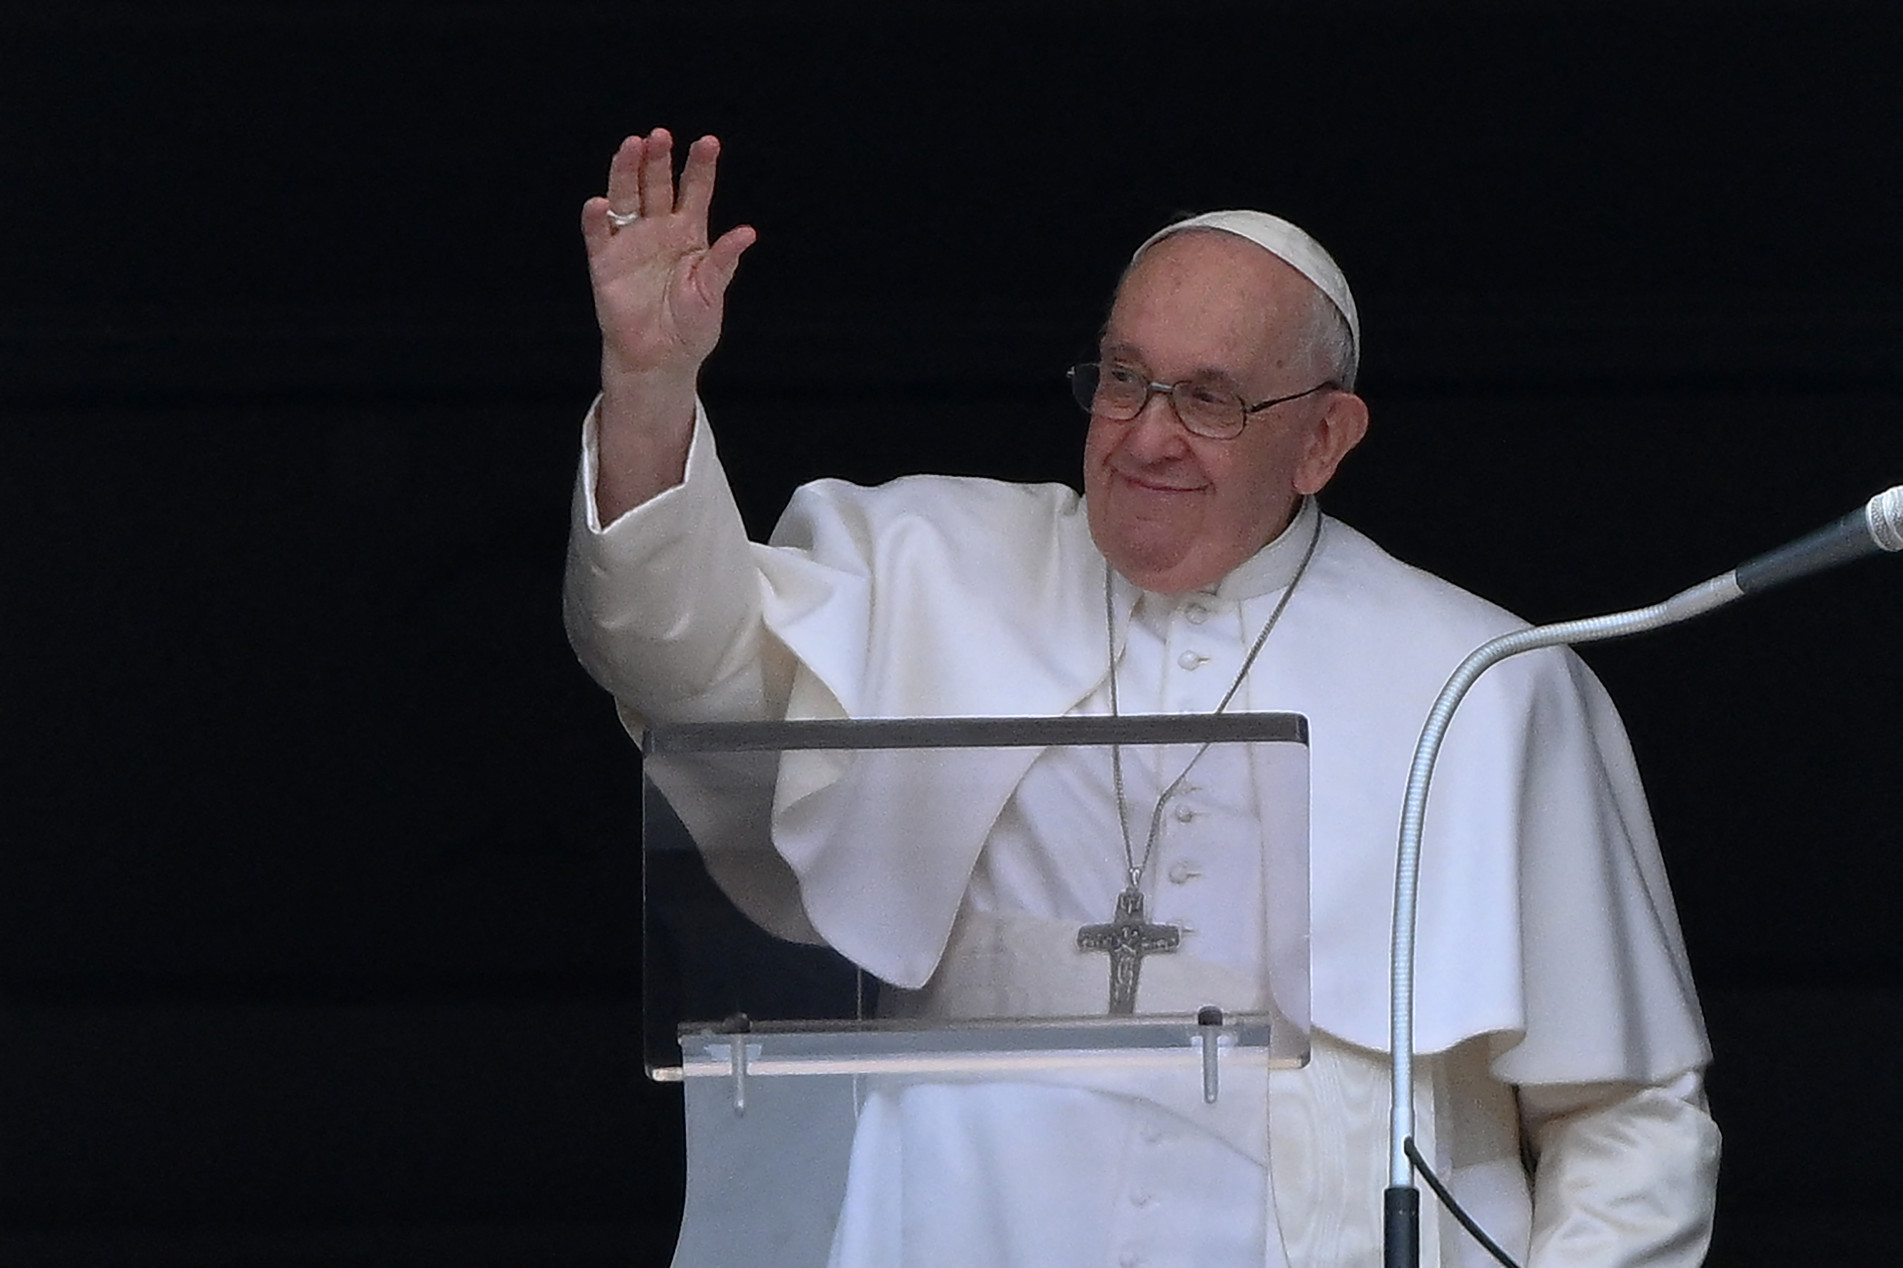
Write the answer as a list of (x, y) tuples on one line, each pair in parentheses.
[(318, 896)]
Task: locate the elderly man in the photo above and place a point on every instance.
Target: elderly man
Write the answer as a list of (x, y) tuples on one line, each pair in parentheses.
[(1565, 1050)]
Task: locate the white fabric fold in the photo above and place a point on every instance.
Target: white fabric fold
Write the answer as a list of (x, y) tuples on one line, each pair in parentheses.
[(1549, 950)]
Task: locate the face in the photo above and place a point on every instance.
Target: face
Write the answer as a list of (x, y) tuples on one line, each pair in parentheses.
[(1173, 511)]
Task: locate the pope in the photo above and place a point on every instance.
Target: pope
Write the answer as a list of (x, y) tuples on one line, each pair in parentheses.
[(1563, 1047)]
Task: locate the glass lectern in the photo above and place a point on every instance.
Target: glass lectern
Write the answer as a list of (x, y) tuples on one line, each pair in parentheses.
[(884, 1043)]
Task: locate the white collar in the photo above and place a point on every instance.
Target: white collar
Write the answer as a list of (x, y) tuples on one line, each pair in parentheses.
[(1267, 571), (1275, 565)]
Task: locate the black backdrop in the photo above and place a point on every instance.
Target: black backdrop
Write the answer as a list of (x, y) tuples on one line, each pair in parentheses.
[(317, 896)]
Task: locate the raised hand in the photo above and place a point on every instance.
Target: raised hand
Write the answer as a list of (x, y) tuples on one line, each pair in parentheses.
[(659, 283), (660, 287)]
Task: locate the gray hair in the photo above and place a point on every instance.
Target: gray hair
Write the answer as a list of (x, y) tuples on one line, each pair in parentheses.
[(1330, 346)]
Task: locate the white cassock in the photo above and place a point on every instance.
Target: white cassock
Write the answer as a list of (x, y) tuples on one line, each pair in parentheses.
[(1554, 1001)]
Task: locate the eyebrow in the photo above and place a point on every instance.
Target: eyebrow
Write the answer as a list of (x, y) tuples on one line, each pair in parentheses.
[(1129, 352)]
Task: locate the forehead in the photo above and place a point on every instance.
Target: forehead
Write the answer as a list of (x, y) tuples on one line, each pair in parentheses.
[(1204, 300)]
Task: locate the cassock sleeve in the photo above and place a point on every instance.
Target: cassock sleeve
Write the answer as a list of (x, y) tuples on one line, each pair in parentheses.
[(663, 605), (664, 609), (1624, 1174)]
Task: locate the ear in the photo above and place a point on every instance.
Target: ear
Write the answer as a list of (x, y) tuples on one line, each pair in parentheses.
[(1340, 428)]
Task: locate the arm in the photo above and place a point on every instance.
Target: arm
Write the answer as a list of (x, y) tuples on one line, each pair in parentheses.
[(1625, 1165), (661, 598), (660, 289), (1623, 1174), (663, 606)]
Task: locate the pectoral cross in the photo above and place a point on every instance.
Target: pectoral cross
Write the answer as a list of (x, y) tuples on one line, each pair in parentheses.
[(1128, 938)]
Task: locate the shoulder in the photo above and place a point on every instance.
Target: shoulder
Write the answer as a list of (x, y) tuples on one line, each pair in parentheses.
[(958, 498), (939, 595), (1400, 622), (1372, 587), (968, 511)]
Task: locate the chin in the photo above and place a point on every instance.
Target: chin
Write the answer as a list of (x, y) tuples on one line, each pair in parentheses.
[(1159, 571), (1155, 556)]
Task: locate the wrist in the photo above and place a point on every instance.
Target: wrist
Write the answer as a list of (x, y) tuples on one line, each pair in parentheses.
[(644, 426), (624, 378)]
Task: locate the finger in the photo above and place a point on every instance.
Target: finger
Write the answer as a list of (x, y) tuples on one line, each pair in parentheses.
[(697, 180), (595, 229), (624, 176), (657, 174), (716, 269)]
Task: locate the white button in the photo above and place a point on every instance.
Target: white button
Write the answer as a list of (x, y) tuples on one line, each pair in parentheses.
[(1190, 660), (1184, 873), (1196, 614), (1185, 814), (1139, 1199)]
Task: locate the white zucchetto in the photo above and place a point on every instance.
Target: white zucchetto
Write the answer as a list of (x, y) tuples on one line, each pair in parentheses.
[(1288, 243)]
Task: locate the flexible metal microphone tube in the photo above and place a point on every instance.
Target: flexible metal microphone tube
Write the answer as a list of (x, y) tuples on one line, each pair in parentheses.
[(1876, 527)]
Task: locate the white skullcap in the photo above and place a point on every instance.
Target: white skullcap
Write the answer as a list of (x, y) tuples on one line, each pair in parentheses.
[(1287, 243)]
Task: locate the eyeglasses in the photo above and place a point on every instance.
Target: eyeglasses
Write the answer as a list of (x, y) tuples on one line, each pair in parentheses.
[(1207, 407)]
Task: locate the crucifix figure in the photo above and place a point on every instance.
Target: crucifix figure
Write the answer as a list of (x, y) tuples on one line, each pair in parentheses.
[(1128, 938)]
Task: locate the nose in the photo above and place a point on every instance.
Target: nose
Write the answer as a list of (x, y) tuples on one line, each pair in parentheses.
[(1156, 433)]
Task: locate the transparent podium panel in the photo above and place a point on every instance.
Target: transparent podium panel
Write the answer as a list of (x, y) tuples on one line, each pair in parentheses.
[(930, 1004)]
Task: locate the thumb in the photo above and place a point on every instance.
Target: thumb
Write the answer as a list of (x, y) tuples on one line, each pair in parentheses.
[(716, 268)]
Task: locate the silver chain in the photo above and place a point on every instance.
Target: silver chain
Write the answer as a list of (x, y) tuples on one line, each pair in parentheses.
[(1137, 866)]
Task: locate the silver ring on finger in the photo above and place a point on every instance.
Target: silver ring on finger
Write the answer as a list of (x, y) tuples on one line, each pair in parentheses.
[(621, 219)]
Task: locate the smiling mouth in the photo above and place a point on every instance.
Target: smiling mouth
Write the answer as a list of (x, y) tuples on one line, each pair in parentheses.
[(1150, 486)]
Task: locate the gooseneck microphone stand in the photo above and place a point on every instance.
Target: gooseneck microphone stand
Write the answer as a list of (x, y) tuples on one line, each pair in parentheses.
[(1878, 526)]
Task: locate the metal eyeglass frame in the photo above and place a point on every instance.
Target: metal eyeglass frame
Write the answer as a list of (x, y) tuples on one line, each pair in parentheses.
[(1084, 376)]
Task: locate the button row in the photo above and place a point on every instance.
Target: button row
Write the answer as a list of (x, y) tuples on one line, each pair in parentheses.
[(1183, 873)]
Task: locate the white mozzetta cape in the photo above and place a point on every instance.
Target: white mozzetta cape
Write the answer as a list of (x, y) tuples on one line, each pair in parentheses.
[(1549, 950), (1546, 922)]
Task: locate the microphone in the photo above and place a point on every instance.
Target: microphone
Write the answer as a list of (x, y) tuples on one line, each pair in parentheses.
[(1878, 526)]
